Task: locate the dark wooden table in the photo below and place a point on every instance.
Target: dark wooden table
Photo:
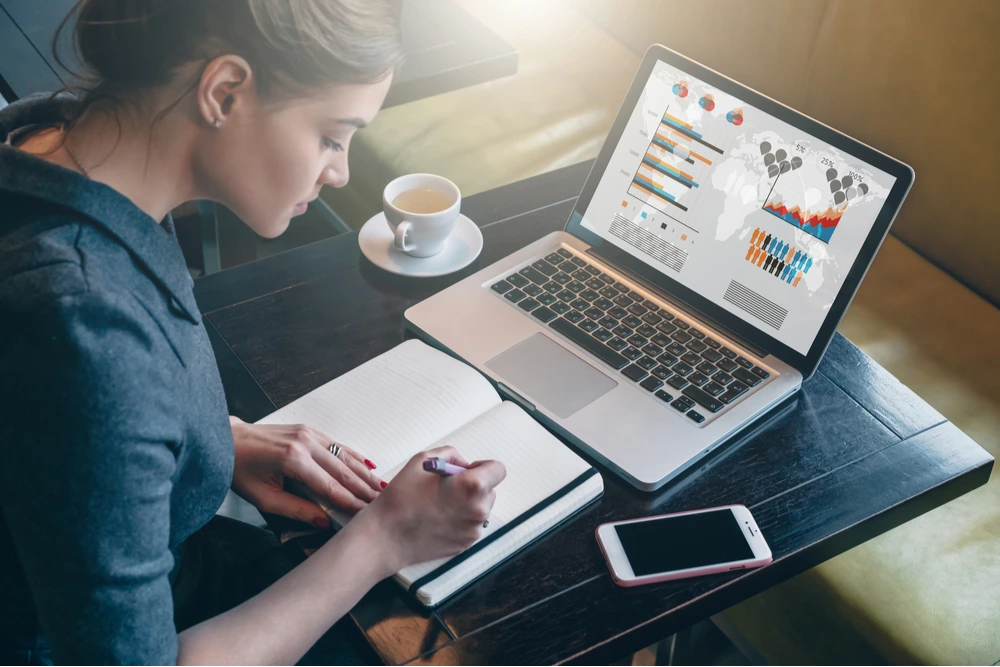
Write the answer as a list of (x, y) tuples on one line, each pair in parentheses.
[(855, 454)]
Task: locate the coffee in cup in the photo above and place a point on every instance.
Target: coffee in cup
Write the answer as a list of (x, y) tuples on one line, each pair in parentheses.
[(421, 210)]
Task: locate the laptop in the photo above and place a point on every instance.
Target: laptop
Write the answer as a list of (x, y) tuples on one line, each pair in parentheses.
[(711, 254)]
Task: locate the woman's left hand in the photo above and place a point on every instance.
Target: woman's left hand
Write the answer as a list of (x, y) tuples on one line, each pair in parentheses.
[(267, 454)]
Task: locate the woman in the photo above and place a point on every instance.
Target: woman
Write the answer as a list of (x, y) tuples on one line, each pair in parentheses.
[(116, 444)]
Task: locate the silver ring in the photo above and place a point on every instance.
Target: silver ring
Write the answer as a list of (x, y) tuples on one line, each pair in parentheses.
[(335, 449)]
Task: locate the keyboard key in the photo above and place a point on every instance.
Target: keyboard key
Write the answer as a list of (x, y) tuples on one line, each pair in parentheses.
[(561, 278), (713, 388), (661, 340), (634, 373), (677, 382), (602, 334), (528, 304), (682, 403), (501, 287), (574, 316), (665, 314), (722, 378), (707, 368), (618, 312), (690, 358), (726, 352), (534, 275), (632, 321), (514, 295), (637, 341), (736, 390), (623, 331), (608, 292), (547, 299), (726, 365), (702, 398), (760, 372), (661, 372), (517, 280), (589, 295), (565, 253), (575, 286), (559, 307), (587, 325), (581, 275), (532, 290), (567, 267), (744, 362), (695, 416), (566, 296), (651, 384), (681, 324), (617, 343), (554, 258), (545, 267), (746, 377), (595, 284), (637, 309), (605, 277), (664, 396), (594, 313), (552, 287), (604, 304), (712, 343), (666, 327), (631, 353), (652, 350), (621, 287), (608, 322), (696, 346), (697, 333), (645, 330), (623, 301), (711, 355), (543, 313), (592, 270), (588, 343), (667, 359), (637, 296), (576, 260), (652, 318), (647, 363), (697, 378), (681, 336), (676, 349), (682, 369), (580, 304)]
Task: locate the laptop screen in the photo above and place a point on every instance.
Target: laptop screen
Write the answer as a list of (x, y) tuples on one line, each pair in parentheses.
[(751, 213)]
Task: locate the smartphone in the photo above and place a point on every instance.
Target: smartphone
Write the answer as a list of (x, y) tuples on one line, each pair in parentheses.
[(686, 544)]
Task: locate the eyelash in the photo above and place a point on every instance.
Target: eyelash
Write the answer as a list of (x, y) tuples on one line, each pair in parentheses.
[(331, 144)]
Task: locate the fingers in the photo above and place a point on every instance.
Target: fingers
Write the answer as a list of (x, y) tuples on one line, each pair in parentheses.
[(328, 486), (293, 507), (358, 464), (448, 453), (483, 476), (349, 468)]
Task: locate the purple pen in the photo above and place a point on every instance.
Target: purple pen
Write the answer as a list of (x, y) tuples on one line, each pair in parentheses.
[(439, 466)]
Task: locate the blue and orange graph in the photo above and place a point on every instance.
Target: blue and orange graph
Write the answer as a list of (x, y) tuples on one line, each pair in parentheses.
[(821, 224), (675, 153)]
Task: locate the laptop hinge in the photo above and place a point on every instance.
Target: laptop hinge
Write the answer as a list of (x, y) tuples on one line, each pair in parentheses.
[(678, 304)]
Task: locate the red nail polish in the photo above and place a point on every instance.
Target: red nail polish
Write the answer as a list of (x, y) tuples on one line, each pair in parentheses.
[(371, 466), (321, 523), (383, 484)]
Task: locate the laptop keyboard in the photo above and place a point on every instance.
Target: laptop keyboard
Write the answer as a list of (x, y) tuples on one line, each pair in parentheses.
[(676, 362)]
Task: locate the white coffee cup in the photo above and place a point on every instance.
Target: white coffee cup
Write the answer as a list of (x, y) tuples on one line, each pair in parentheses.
[(421, 234)]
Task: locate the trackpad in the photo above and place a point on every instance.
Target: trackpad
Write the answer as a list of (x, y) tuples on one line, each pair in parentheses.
[(550, 375)]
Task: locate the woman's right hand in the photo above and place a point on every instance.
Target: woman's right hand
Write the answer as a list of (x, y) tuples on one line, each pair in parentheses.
[(421, 516)]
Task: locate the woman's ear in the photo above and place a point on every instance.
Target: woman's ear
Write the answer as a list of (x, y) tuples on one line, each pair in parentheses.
[(226, 87)]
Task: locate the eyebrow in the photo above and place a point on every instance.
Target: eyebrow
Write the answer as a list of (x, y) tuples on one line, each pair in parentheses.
[(356, 122)]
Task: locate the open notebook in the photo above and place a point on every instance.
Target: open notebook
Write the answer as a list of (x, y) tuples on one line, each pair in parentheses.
[(413, 398)]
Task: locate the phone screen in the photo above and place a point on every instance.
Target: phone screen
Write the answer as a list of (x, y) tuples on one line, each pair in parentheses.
[(683, 542)]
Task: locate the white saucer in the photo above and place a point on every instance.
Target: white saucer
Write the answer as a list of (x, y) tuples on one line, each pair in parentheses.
[(460, 249)]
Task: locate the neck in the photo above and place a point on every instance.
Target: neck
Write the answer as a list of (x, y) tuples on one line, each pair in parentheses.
[(151, 167)]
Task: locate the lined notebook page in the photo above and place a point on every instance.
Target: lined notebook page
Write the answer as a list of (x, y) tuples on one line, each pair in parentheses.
[(538, 465), (395, 405)]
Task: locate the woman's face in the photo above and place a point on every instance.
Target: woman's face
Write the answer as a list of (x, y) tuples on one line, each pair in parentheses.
[(266, 162)]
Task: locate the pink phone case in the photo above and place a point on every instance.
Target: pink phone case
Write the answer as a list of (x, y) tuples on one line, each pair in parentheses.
[(680, 574)]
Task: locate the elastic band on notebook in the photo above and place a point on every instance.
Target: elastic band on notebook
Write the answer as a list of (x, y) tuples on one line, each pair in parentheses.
[(460, 558)]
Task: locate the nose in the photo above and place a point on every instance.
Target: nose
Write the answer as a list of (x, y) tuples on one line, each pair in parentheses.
[(335, 177)]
